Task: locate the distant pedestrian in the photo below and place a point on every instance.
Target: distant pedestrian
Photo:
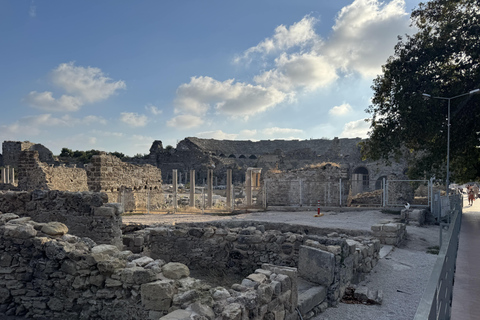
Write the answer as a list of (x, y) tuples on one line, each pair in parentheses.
[(471, 195)]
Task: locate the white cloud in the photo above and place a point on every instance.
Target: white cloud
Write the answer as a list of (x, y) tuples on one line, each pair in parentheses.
[(185, 121), (341, 110), (356, 129), (89, 84), (275, 131), (45, 101), (248, 133), (227, 97), (218, 134), (83, 85), (299, 70), (298, 34), (153, 110), (133, 119), (107, 133), (365, 34)]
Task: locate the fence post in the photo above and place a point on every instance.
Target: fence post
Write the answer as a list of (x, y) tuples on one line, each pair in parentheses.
[(340, 190), (300, 185), (174, 183)]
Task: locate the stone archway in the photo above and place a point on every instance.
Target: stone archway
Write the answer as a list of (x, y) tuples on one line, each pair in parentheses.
[(360, 180)]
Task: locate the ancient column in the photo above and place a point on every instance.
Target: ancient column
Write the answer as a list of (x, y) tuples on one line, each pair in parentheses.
[(4, 175), (192, 188), (229, 189), (12, 176), (248, 186), (210, 188), (175, 188), (8, 174)]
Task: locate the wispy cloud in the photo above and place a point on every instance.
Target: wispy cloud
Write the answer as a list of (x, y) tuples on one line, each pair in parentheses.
[(82, 85), (218, 134), (32, 10), (355, 129), (133, 119), (185, 121), (153, 110), (341, 110)]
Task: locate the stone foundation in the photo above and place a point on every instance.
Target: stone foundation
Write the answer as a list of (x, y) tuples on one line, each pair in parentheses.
[(86, 214), (391, 233), (241, 248), (62, 276)]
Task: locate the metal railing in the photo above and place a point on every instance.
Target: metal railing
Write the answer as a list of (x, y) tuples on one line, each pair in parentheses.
[(437, 298)]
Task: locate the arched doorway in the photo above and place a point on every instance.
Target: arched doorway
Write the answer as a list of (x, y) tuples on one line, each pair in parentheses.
[(360, 180)]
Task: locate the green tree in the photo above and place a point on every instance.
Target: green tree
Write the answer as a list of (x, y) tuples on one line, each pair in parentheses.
[(66, 152), (441, 59)]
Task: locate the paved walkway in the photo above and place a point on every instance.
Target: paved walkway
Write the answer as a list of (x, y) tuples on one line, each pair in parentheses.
[(466, 291)]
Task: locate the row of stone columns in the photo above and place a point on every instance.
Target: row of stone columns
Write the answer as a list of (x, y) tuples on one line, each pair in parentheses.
[(8, 175), (229, 188)]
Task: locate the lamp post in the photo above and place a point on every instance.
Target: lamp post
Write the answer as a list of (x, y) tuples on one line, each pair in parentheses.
[(448, 127)]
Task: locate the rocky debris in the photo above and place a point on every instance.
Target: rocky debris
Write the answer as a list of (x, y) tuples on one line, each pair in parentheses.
[(363, 295)]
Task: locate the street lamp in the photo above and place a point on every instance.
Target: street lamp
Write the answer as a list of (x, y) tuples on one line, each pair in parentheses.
[(448, 127)]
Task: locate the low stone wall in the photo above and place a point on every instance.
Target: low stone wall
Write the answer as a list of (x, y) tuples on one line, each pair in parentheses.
[(389, 232), (241, 247), (34, 174), (86, 214), (47, 274)]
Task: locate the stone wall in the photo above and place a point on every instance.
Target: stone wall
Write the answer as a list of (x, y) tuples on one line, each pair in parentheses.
[(305, 187), (35, 174), (47, 274), (86, 214), (240, 248), (11, 152)]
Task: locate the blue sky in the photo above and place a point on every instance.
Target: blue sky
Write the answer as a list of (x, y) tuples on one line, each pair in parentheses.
[(117, 75)]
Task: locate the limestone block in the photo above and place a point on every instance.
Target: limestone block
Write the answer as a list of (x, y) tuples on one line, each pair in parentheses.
[(232, 311), (391, 227), (19, 231), (418, 215), (54, 228), (104, 211), (143, 261), (5, 217), (309, 299), (104, 252), (179, 314), (257, 277), (158, 295), (316, 265), (220, 294), (175, 270), (203, 310)]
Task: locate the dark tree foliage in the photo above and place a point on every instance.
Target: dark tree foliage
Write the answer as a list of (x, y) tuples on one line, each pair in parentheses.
[(441, 59)]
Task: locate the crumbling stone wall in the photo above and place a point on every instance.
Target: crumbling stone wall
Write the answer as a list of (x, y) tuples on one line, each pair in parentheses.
[(86, 214), (240, 248), (120, 181), (306, 186), (11, 152), (35, 174), (48, 274)]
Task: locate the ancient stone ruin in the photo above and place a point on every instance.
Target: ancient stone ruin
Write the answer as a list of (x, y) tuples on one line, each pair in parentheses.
[(287, 271)]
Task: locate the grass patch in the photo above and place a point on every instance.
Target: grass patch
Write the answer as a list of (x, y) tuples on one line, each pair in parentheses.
[(433, 250)]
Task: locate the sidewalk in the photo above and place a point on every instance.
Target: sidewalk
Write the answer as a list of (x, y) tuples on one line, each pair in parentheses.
[(466, 290)]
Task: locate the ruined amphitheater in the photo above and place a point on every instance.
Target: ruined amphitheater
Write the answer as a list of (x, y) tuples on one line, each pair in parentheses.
[(66, 253)]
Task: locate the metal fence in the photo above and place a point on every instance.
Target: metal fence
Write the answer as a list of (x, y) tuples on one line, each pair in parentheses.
[(356, 193), (437, 298), (294, 193)]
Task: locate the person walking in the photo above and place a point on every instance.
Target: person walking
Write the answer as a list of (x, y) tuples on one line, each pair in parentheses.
[(471, 195)]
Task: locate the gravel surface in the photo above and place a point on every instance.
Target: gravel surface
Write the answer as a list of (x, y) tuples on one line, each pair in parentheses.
[(402, 274)]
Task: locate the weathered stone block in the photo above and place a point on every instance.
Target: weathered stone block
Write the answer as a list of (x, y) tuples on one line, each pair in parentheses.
[(157, 295), (316, 265)]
